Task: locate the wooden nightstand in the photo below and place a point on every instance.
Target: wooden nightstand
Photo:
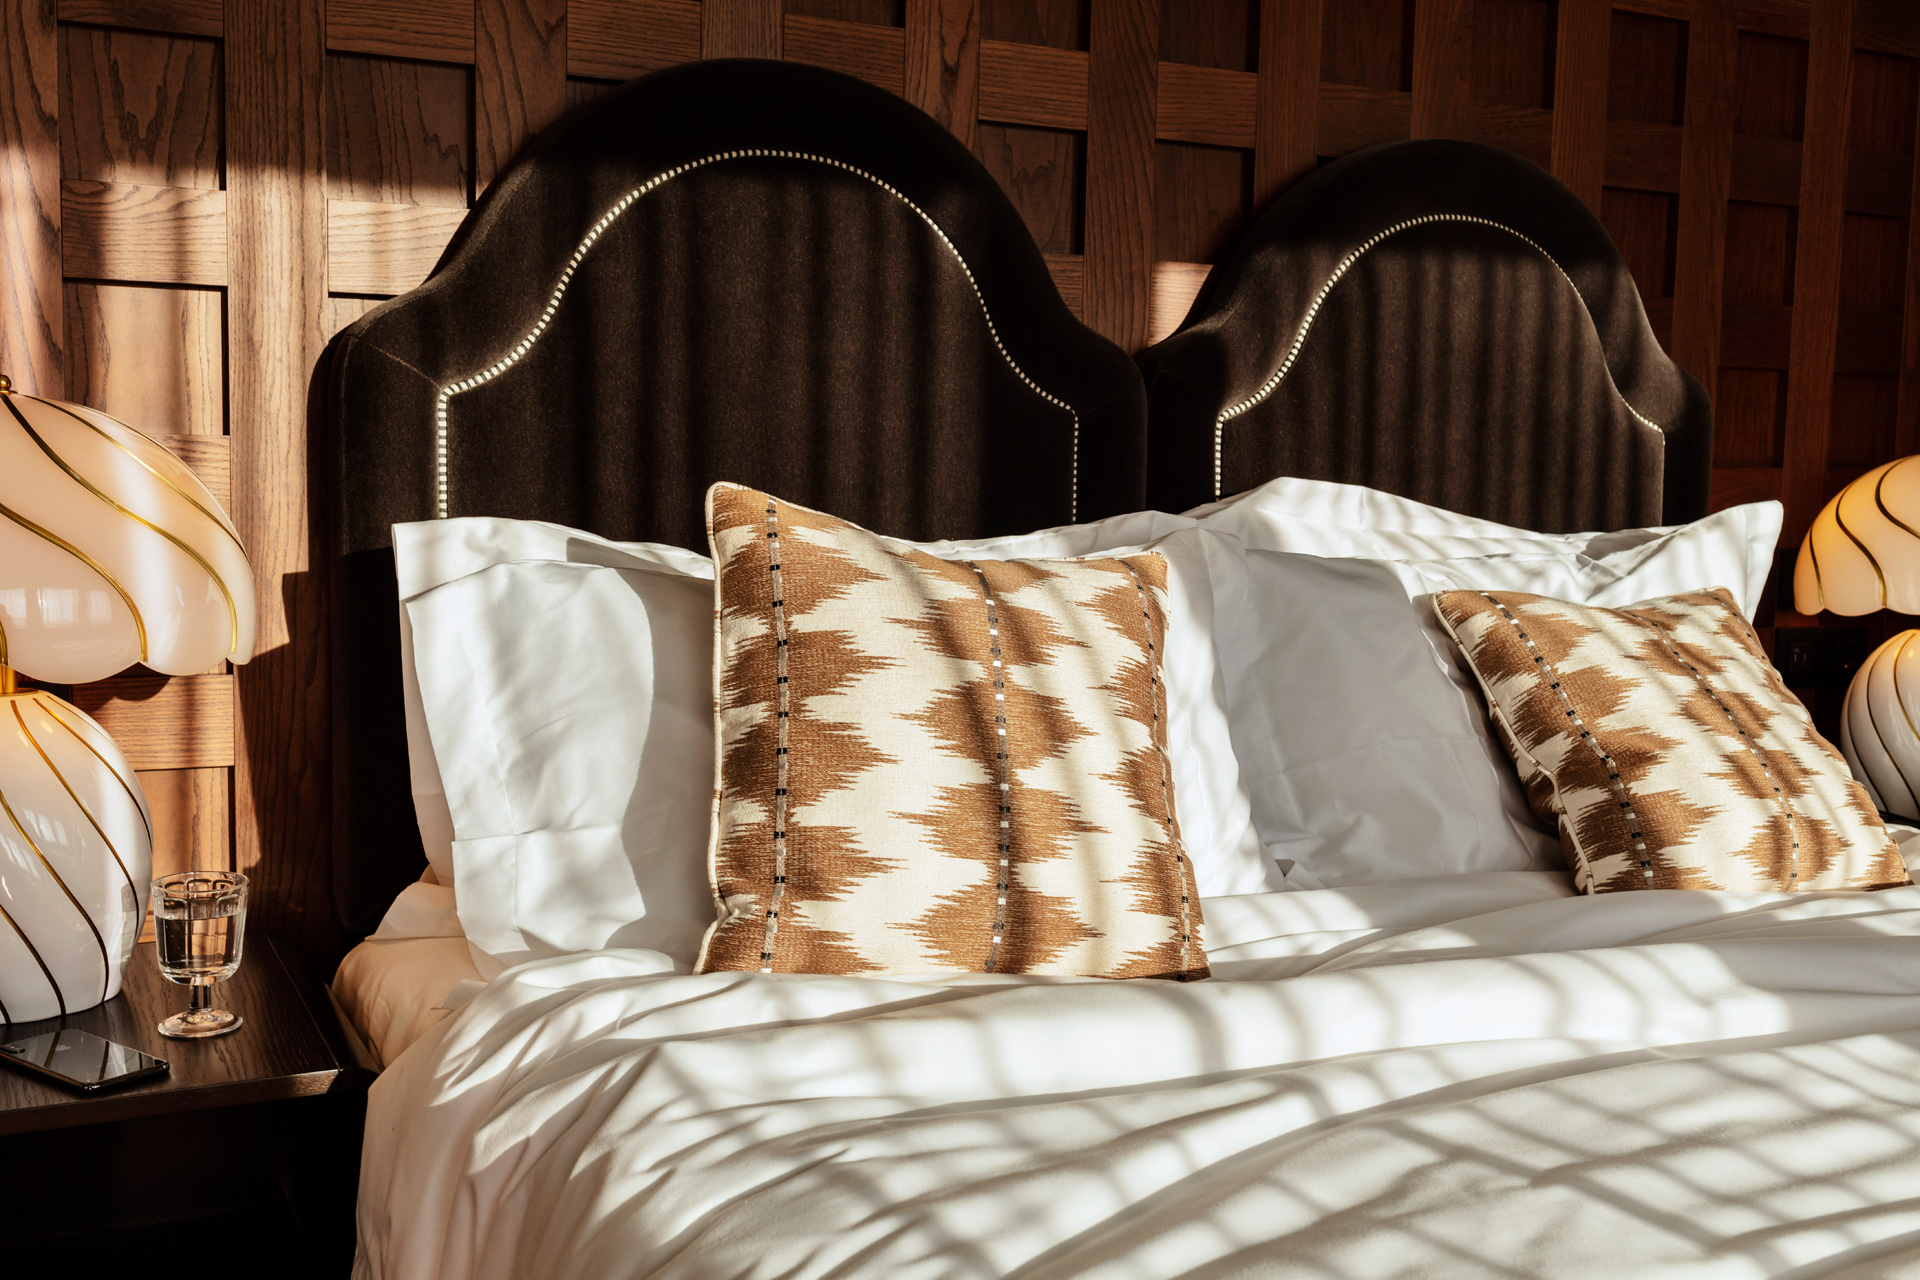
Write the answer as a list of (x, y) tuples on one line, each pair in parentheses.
[(254, 1135)]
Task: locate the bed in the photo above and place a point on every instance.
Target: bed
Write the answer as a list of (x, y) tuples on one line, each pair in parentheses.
[(1400, 1065)]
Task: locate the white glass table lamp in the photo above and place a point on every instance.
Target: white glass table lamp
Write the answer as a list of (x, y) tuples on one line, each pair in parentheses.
[(111, 552), (1863, 555)]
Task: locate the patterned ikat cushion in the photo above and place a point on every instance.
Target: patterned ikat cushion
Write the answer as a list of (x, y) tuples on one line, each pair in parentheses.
[(1663, 743), (935, 765)]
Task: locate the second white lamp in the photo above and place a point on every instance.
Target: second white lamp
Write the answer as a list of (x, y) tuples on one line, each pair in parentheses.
[(111, 552)]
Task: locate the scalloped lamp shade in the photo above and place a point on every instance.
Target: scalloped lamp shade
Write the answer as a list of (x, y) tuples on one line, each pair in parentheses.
[(1863, 555), (111, 552)]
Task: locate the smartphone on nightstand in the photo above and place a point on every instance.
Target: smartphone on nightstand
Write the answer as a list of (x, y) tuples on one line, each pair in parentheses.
[(81, 1060)]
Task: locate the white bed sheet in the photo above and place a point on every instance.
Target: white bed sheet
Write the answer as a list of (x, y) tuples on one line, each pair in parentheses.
[(1469, 1076)]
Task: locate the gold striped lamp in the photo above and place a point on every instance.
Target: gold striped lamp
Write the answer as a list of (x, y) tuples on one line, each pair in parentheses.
[(111, 552), (1863, 555)]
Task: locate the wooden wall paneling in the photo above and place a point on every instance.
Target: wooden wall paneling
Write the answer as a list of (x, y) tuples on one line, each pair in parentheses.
[(1122, 61), (1582, 46), (211, 458), (519, 78), (1206, 105), (1033, 84), (276, 310), (162, 722), (1069, 272), (865, 50), (377, 248), (30, 206), (942, 62), (153, 357), (175, 17), (162, 235), (1061, 24), (1043, 172), (1442, 65), (1907, 424), (192, 812), (1706, 173), (1816, 286), (399, 130), (1349, 118), (1175, 286), (1286, 110), (741, 28), (621, 39), (140, 108), (343, 311), (1367, 43), (1202, 196), (1886, 25), (437, 30)]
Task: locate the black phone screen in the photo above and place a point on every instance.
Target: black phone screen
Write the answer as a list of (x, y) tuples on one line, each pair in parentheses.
[(81, 1059)]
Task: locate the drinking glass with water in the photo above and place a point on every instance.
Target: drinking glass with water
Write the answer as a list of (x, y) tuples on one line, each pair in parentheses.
[(200, 919)]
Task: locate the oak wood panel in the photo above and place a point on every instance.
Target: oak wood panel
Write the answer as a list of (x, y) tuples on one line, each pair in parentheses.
[(153, 357), (1043, 171), (165, 722), (1202, 197), (1287, 101), (873, 53), (437, 30), (1206, 105), (618, 39), (519, 78), (397, 130), (1580, 84), (30, 198), (1888, 26), (211, 458), (942, 62), (740, 28), (1368, 43), (1784, 18), (141, 108), (178, 17), (1175, 285), (1033, 85), (191, 820), (1122, 76), (1706, 174), (1061, 24), (276, 308), (1644, 156), (1069, 272), (1526, 131), (162, 235), (343, 311), (1906, 433), (385, 248), (1350, 117), (1817, 249), (1442, 65)]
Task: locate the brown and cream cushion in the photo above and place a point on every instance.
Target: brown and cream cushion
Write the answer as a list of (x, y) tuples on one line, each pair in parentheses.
[(936, 765), (1664, 745)]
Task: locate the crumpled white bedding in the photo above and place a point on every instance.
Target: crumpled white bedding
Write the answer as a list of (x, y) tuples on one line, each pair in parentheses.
[(1479, 1075)]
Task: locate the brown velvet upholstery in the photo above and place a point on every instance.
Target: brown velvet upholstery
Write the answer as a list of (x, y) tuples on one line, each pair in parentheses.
[(1452, 362), (781, 321)]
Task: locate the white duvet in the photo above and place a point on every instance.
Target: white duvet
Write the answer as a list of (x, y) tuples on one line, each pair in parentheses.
[(1471, 1076)]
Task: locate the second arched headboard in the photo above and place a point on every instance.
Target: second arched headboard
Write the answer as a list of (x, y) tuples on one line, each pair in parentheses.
[(1441, 320)]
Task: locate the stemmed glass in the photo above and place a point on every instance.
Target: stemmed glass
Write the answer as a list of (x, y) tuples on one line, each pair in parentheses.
[(200, 918)]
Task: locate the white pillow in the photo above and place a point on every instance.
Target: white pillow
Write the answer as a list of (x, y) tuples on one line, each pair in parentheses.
[(1362, 736), (560, 724)]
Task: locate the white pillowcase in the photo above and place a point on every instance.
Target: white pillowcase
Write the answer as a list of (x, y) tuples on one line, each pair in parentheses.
[(560, 724), (1362, 736)]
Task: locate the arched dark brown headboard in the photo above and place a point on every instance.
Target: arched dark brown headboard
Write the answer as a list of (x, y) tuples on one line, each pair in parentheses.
[(739, 270), (1441, 320)]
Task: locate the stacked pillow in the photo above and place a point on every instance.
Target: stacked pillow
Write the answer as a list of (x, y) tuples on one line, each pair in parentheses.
[(1259, 694)]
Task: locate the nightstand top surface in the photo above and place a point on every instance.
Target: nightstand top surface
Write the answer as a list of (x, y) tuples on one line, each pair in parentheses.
[(282, 1050)]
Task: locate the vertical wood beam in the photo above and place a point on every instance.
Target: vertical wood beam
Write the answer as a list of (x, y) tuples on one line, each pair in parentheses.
[(1706, 176), (31, 317), (1123, 67), (275, 60), (1816, 272), (1442, 60), (1906, 430), (1582, 46), (741, 28), (519, 78), (1287, 97), (943, 63)]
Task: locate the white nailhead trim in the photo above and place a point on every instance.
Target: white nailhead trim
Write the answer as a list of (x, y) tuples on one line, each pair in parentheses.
[(1320, 298), (607, 219)]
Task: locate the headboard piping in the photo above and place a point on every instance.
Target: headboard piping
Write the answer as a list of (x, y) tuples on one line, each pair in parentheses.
[(520, 349), (1345, 265)]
